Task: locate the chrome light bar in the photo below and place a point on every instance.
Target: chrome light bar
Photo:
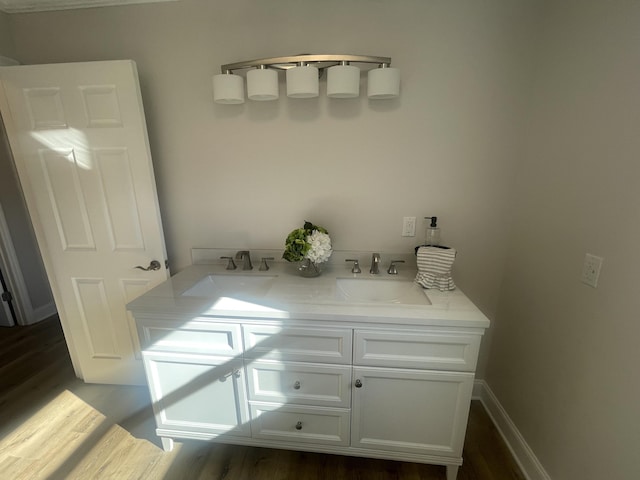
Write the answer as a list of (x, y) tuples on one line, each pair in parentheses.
[(284, 63), (303, 72)]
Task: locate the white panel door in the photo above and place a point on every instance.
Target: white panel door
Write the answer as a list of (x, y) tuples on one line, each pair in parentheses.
[(79, 139)]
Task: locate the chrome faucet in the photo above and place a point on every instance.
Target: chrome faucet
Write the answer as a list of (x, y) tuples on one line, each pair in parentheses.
[(375, 263), (246, 258)]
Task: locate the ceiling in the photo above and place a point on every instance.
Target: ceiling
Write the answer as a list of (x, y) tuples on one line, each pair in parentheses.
[(22, 6)]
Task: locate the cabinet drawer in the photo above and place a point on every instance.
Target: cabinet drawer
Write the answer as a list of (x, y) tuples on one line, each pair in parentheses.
[(331, 345), (191, 337), (438, 351), (299, 383), (288, 423)]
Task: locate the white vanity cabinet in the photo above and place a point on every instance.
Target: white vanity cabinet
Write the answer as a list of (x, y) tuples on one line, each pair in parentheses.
[(379, 381), (384, 391), (200, 394)]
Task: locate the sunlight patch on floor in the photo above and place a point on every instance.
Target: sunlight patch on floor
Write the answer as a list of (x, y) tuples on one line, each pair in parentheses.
[(68, 438)]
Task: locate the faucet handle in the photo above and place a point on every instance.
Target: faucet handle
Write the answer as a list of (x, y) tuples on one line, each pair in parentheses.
[(393, 270), (231, 264), (263, 265), (356, 265)]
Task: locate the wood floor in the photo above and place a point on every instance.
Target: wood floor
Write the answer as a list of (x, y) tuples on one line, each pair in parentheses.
[(53, 426)]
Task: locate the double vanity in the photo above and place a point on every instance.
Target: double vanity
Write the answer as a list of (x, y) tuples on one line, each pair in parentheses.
[(350, 364)]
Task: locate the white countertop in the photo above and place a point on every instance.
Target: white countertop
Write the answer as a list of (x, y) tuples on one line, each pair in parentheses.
[(294, 297)]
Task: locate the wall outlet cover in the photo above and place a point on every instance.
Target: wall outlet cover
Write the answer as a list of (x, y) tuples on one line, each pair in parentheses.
[(591, 270), (409, 227)]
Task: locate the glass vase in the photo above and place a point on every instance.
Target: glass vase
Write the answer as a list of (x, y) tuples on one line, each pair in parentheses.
[(309, 269)]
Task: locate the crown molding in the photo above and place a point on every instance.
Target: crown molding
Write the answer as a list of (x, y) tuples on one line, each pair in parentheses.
[(26, 6)]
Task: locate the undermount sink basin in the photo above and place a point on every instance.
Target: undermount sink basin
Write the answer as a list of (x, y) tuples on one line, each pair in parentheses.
[(217, 285), (369, 290)]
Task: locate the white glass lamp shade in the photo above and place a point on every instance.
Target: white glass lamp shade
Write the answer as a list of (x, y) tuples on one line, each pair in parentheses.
[(302, 82), (262, 84), (343, 81), (228, 88), (383, 83)]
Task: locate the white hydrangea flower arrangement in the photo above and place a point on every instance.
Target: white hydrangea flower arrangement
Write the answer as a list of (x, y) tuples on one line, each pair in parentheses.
[(311, 242), (320, 250)]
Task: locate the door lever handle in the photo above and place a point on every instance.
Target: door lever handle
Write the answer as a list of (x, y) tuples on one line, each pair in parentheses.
[(154, 265)]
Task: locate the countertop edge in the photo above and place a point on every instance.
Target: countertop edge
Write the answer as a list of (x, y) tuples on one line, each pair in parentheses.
[(450, 308)]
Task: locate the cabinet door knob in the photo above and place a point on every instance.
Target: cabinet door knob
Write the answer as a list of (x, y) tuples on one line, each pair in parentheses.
[(235, 373), (296, 385), (299, 426), (358, 383)]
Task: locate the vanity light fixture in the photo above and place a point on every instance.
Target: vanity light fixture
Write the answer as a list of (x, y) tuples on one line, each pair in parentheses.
[(228, 88), (383, 82), (302, 74), (343, 81), (262, 84), (303, 81)]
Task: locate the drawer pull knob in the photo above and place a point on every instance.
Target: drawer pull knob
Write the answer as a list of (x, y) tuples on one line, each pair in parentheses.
[(358, 383), (296, 385), (299, 426)]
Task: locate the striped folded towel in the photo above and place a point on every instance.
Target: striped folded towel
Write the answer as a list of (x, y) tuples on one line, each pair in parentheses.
[(434, 267)]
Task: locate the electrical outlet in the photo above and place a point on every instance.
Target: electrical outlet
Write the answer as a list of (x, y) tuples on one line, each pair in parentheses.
[(409, 227), (591, 270)]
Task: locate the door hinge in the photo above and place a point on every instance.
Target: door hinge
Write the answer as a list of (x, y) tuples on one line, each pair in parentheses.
[(6, 296)]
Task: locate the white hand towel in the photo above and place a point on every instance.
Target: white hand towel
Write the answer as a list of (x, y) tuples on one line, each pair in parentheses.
[(434, 267)]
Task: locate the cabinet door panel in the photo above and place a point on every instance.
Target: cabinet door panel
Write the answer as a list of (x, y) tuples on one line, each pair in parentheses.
[(198, 393), (416, 411)]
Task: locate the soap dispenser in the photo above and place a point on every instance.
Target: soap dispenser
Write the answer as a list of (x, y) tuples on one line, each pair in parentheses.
[(432, 236)]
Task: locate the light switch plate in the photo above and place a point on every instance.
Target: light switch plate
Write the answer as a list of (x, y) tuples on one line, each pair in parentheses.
[(591, 270), (409, 227)]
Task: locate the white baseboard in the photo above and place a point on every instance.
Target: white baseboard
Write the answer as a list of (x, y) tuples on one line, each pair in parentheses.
[(43, 312), (522, 453)]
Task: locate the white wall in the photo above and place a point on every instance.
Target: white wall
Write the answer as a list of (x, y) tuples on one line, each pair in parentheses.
[(564, 359), (245, 176), (6, 39), (36, 300), (564, 356), (31, 288)]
